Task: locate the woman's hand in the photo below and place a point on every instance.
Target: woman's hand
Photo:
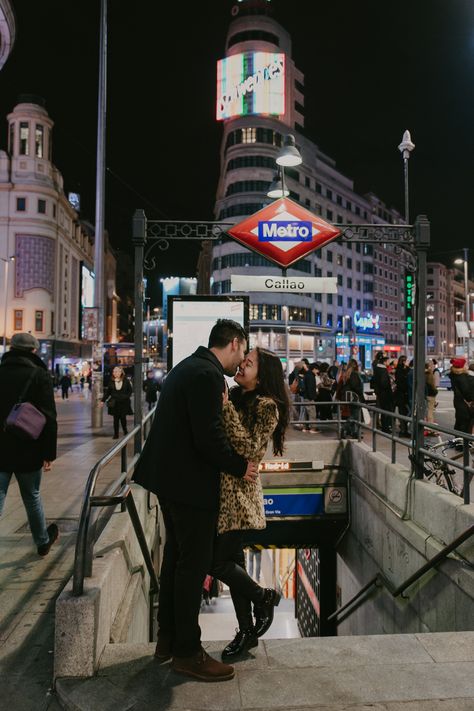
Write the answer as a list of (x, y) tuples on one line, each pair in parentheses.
[(46, 466)]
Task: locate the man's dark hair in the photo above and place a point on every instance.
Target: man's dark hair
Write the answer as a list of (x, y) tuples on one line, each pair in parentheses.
[(224, 331), (305, 360)]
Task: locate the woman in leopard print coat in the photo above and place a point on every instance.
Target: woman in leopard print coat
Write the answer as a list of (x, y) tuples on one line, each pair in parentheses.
[(255, 412)]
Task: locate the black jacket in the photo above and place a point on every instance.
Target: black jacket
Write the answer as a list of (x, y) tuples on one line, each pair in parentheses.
[(354, 385), (120, 398), (310, 391), (187, 448), (16, 455)]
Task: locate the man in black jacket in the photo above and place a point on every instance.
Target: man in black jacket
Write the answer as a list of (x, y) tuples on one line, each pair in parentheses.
[(27, 459), (181, 462)]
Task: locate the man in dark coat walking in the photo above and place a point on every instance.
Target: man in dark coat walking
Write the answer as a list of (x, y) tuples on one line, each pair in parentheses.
[(27, 459), (181, 462)]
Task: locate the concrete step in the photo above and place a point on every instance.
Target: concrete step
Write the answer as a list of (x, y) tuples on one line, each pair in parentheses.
[(412, 672)]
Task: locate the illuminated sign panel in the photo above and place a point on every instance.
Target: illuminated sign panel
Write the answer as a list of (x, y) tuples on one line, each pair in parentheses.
[(250, 83), (367, 322), (409, 305), (283, 232)]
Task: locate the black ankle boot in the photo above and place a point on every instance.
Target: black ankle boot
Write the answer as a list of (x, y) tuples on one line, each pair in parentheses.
[(243, 640), (264, 611)]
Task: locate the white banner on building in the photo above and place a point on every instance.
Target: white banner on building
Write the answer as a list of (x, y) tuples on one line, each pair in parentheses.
[(296, 285)]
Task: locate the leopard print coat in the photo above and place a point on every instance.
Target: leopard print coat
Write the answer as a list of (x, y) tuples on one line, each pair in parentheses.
[(241, 502)]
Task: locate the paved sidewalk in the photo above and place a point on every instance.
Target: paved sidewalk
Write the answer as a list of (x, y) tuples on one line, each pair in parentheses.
[(29, 584)]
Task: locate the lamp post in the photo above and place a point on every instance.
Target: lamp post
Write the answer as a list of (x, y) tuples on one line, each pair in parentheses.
[(343, 334), (287, 339), (467, 310), (97, 373), (405, 148), (5, 317)]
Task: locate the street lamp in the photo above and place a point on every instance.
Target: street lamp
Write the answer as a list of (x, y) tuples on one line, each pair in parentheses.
[(405, 148), (6, 262), (288, 156), (467, 310), (278, 188), (343, 332)]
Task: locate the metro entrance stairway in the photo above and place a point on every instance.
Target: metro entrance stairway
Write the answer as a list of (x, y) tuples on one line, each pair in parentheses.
[(412, 672)]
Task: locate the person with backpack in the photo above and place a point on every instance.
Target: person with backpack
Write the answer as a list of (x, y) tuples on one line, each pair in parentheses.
[(24, 376)]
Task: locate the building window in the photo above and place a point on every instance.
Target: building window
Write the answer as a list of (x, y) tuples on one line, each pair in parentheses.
[(11, 139), (54, 210), (307, 182), (329, 321), (349, 302), (24, 138), (52, 323), (249, 135), (339, 260), (20, 204), (329, 255), (39, 139), (339, 300), (329, 194), (42, 207), (18, 320), (251, 162), (318, 272), (318, 316), (358, 304), (339, 279), (349, 262), (349, 282), (329, 299), (248, 186), (318, 188), (39, 320)]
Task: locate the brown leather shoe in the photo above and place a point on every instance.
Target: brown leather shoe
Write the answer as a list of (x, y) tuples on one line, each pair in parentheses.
[(163, 649), (203, 667)]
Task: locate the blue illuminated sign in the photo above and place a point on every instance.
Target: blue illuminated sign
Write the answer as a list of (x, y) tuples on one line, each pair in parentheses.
[(370, 321), (285, 231), (293, 502)]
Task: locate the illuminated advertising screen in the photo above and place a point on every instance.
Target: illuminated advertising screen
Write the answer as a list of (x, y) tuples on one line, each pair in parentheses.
[(191, 318), (87, 287), (250, 83)]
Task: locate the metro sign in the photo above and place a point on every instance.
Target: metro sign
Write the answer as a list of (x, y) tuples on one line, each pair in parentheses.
[(283, 232)]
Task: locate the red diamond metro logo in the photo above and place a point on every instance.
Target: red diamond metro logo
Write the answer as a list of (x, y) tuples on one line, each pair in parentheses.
[(283, 232)]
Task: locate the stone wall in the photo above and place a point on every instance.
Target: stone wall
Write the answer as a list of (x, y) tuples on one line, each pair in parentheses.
[(382, 539)]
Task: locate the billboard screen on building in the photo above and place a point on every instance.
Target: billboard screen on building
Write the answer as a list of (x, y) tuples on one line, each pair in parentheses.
[(87, 287), (250, 83), (191, 318)]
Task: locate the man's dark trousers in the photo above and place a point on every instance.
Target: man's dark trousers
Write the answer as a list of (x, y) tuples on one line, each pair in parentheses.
[(187, 559)]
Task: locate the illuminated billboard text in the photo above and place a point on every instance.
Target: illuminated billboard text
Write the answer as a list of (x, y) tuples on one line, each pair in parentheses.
[(251, 83)]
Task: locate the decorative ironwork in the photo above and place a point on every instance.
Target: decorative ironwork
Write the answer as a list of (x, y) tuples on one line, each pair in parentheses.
[(400, 235), (186, 229)]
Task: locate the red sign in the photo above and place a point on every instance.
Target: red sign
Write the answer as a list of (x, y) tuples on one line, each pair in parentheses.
[(283, 232)]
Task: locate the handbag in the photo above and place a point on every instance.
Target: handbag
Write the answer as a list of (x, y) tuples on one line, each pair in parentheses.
[(24, 419), (294, 386)]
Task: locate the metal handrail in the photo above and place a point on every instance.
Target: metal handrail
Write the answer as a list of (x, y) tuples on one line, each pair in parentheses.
[(379, 579), (407, 443), (118, 493)]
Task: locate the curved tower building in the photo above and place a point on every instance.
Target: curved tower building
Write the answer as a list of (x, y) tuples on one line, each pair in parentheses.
[(260, 100)]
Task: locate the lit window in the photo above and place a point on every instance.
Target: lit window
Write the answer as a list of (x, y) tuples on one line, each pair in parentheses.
[(39, 137), (24, 138), (249, 135)]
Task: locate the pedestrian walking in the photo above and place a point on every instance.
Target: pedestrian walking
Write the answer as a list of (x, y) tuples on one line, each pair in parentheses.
[(181, 462), (308, 395), (256, 412), (150, 386), (463, 390), (117, 398), (401, 396), (431, 392), (325, 388), (65, 384), (351, 389), (23, 375), (383, 390)]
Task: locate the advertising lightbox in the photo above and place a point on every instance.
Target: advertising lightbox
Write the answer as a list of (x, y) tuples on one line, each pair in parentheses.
[(251, 83), (87, 287), (191, 318)]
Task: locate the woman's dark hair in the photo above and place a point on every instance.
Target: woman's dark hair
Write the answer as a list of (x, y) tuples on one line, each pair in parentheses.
[(323, 367), (271, 384)]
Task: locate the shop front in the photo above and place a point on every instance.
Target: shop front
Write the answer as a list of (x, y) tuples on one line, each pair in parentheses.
[(362, 347)]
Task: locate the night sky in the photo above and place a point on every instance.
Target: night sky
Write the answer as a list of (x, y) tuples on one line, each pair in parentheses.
[(372, 70)]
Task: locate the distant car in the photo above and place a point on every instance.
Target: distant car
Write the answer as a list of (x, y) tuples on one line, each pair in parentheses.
[(445, 380)]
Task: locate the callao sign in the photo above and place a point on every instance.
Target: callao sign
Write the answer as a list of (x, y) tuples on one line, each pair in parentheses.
[(283, 232)]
